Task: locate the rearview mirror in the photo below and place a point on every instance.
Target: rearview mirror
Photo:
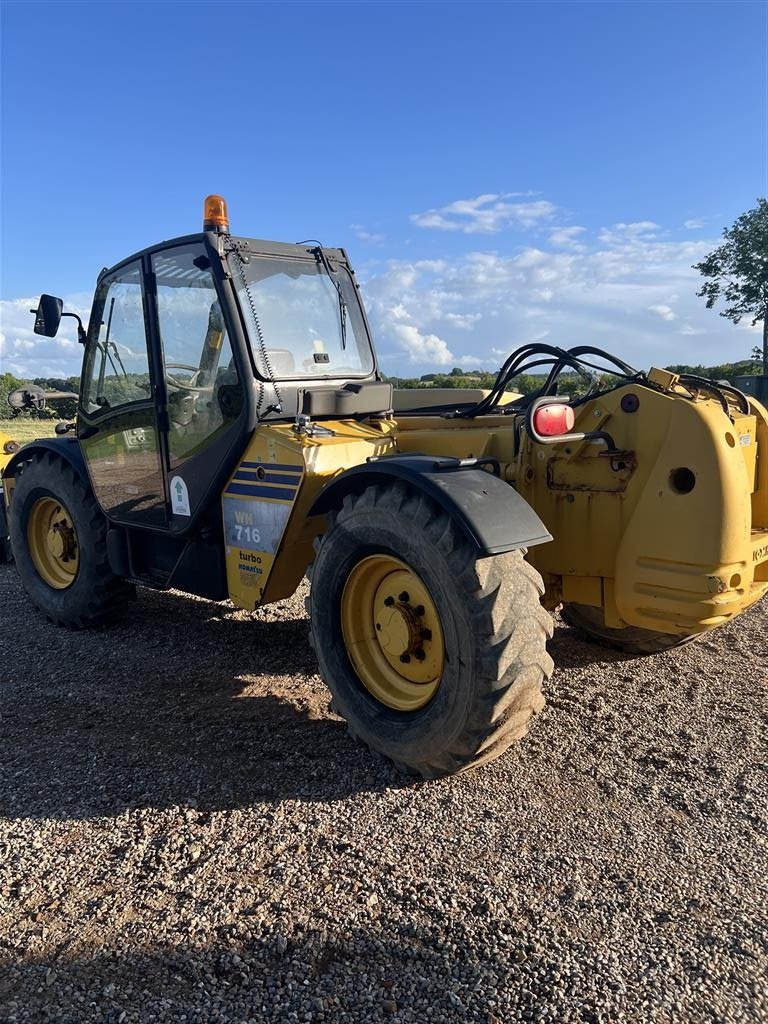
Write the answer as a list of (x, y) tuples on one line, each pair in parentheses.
[(48, 315)]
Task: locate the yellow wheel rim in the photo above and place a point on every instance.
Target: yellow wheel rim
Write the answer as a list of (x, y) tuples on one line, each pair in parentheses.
[(392, 633), (53, 543)]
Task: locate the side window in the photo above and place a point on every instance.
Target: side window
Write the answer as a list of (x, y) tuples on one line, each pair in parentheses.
[(204, 394), (118, 371)]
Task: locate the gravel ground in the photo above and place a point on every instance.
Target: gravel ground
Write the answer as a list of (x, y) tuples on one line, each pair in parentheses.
[(187, 834)]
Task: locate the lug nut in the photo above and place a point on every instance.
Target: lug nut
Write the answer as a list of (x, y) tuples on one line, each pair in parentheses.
[(404, 597), (405, 658), (419, 610), (389, 601), (419, 655), (426, 634), (378, 625)]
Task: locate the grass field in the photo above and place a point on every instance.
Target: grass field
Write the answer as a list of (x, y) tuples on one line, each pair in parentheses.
[(23, 429)]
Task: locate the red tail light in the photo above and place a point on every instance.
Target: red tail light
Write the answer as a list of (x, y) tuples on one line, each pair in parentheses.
[(551, 420)]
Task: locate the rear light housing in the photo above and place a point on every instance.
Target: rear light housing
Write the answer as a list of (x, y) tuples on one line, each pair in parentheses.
[(553, 420)]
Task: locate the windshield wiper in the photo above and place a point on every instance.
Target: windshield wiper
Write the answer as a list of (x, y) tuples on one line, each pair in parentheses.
[(323, 259)]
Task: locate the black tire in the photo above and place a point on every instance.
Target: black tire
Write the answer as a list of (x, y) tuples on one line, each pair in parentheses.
[(6, 555), (495, 632), (630, 639), (96, 595)]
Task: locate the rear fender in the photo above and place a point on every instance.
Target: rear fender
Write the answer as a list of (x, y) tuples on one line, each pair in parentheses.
[(66, 448), (491, 514)]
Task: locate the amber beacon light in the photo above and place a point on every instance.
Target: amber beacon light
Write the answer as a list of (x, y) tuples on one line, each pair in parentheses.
[(215, 216)]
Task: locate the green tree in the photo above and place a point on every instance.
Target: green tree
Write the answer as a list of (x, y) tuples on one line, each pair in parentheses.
[(8, 383), (737, 271)]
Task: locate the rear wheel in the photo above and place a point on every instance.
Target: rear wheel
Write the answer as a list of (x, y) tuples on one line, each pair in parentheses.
[(631, 639), (434, 657), (59, 536)]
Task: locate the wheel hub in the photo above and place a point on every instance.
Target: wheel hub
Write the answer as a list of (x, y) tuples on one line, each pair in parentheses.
[(402, 630), (53, 542), (392, 632)]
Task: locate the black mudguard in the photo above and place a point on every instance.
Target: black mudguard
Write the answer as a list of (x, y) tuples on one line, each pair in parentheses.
[(491, 513), (66, 448)]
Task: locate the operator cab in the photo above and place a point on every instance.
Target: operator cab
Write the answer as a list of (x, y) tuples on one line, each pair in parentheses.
[(194, 341)]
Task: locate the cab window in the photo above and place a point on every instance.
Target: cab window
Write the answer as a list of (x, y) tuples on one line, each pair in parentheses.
[(203, 389), (302, 323), (118, 371)]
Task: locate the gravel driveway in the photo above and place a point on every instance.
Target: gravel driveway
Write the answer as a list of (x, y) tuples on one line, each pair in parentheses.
[(187, 834)]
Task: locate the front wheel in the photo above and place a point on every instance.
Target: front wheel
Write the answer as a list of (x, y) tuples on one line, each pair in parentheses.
[(630, 639), (434, 657), (59, 540)]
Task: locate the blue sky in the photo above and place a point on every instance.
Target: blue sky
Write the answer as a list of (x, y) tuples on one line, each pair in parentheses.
[(499, 173)]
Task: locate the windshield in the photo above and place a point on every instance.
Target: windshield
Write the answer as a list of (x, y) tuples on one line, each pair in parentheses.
[(309, 323)]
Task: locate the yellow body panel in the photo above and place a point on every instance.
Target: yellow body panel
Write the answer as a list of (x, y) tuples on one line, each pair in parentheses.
[(270, 566), (670, 561), (7, 449), (627, 536), (624, 540)]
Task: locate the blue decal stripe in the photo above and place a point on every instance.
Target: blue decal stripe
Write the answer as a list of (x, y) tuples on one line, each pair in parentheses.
[(287, 485), (270, 478), (270, 466), (278, 493)]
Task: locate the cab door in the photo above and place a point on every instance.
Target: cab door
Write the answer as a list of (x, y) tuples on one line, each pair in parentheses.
[(118, 414), (203, 397)]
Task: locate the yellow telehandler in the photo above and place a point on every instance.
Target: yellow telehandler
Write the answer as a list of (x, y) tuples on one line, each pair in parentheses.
[(234, 433)]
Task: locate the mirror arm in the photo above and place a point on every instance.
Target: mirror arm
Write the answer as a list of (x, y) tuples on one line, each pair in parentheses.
[(81, 334)]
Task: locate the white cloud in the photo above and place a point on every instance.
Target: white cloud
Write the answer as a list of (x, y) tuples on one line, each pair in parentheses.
[(371, 237), (567, 238), (664, 311), (399, 312), (422, 348), (637, 231), (693, 224), (463, 321), (486, 214), (603, 294)]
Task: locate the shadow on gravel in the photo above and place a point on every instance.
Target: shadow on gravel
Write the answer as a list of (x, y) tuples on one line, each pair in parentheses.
[(571, 649), (182, 705), (369, 973)]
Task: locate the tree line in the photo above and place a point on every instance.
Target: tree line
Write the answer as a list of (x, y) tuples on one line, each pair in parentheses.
[(570, 383)]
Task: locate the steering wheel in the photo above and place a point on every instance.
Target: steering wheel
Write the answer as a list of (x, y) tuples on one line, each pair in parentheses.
[(182, 385)]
